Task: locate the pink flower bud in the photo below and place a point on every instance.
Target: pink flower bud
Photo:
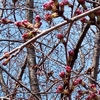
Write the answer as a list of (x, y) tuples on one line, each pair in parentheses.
[(57, 91), (60, 36), (68, 69), (93, 95), (78, 11), (77, 81), (62, 74), (48, 17), (37, 18), (83, 19), (92, 86), (5, 21), (60, 88), (25, 22), (47, 6), (71, 53), (25, 36), (18, 24)]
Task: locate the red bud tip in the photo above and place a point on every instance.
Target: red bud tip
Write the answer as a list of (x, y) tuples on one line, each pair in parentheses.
[(77, 81), (78, 11), (68, 69), (47, 6), (62, 74), (25, 36), (48, 17), (60, 88), (60, 36), (24, 22), (92, 86), (83, 19), (19, 24), (37, 18), (71, 53)]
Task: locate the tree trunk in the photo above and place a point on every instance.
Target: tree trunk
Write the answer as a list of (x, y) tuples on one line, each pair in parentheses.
[(31, 56), (96, 57)]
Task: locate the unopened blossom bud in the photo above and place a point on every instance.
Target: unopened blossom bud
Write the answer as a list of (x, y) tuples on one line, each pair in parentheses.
[(47, 6), (19, 24), (60, 36), (71, 53), (68, 69), (5, 21), (78, 11), (37, 18), (48, 17), (62, 74), (25, 36), (25, 22), (83, 20), (60, 88)]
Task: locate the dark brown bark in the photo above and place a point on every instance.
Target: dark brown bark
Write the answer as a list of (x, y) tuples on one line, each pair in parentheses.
[(31, 56)]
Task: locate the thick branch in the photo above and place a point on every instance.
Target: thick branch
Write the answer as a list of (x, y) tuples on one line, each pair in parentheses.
[(96, 57), (79, 42)]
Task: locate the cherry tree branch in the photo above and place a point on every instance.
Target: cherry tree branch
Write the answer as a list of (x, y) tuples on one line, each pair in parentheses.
[(44, 32)]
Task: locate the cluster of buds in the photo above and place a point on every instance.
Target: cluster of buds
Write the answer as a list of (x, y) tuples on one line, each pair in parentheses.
[(51, 5), (56, 8), (77, 81), (63, 74), (5, 21), (92, 96), (61, 90), (24, 24), (7, 56), (28, 35), (93, 87), (28, 25)]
